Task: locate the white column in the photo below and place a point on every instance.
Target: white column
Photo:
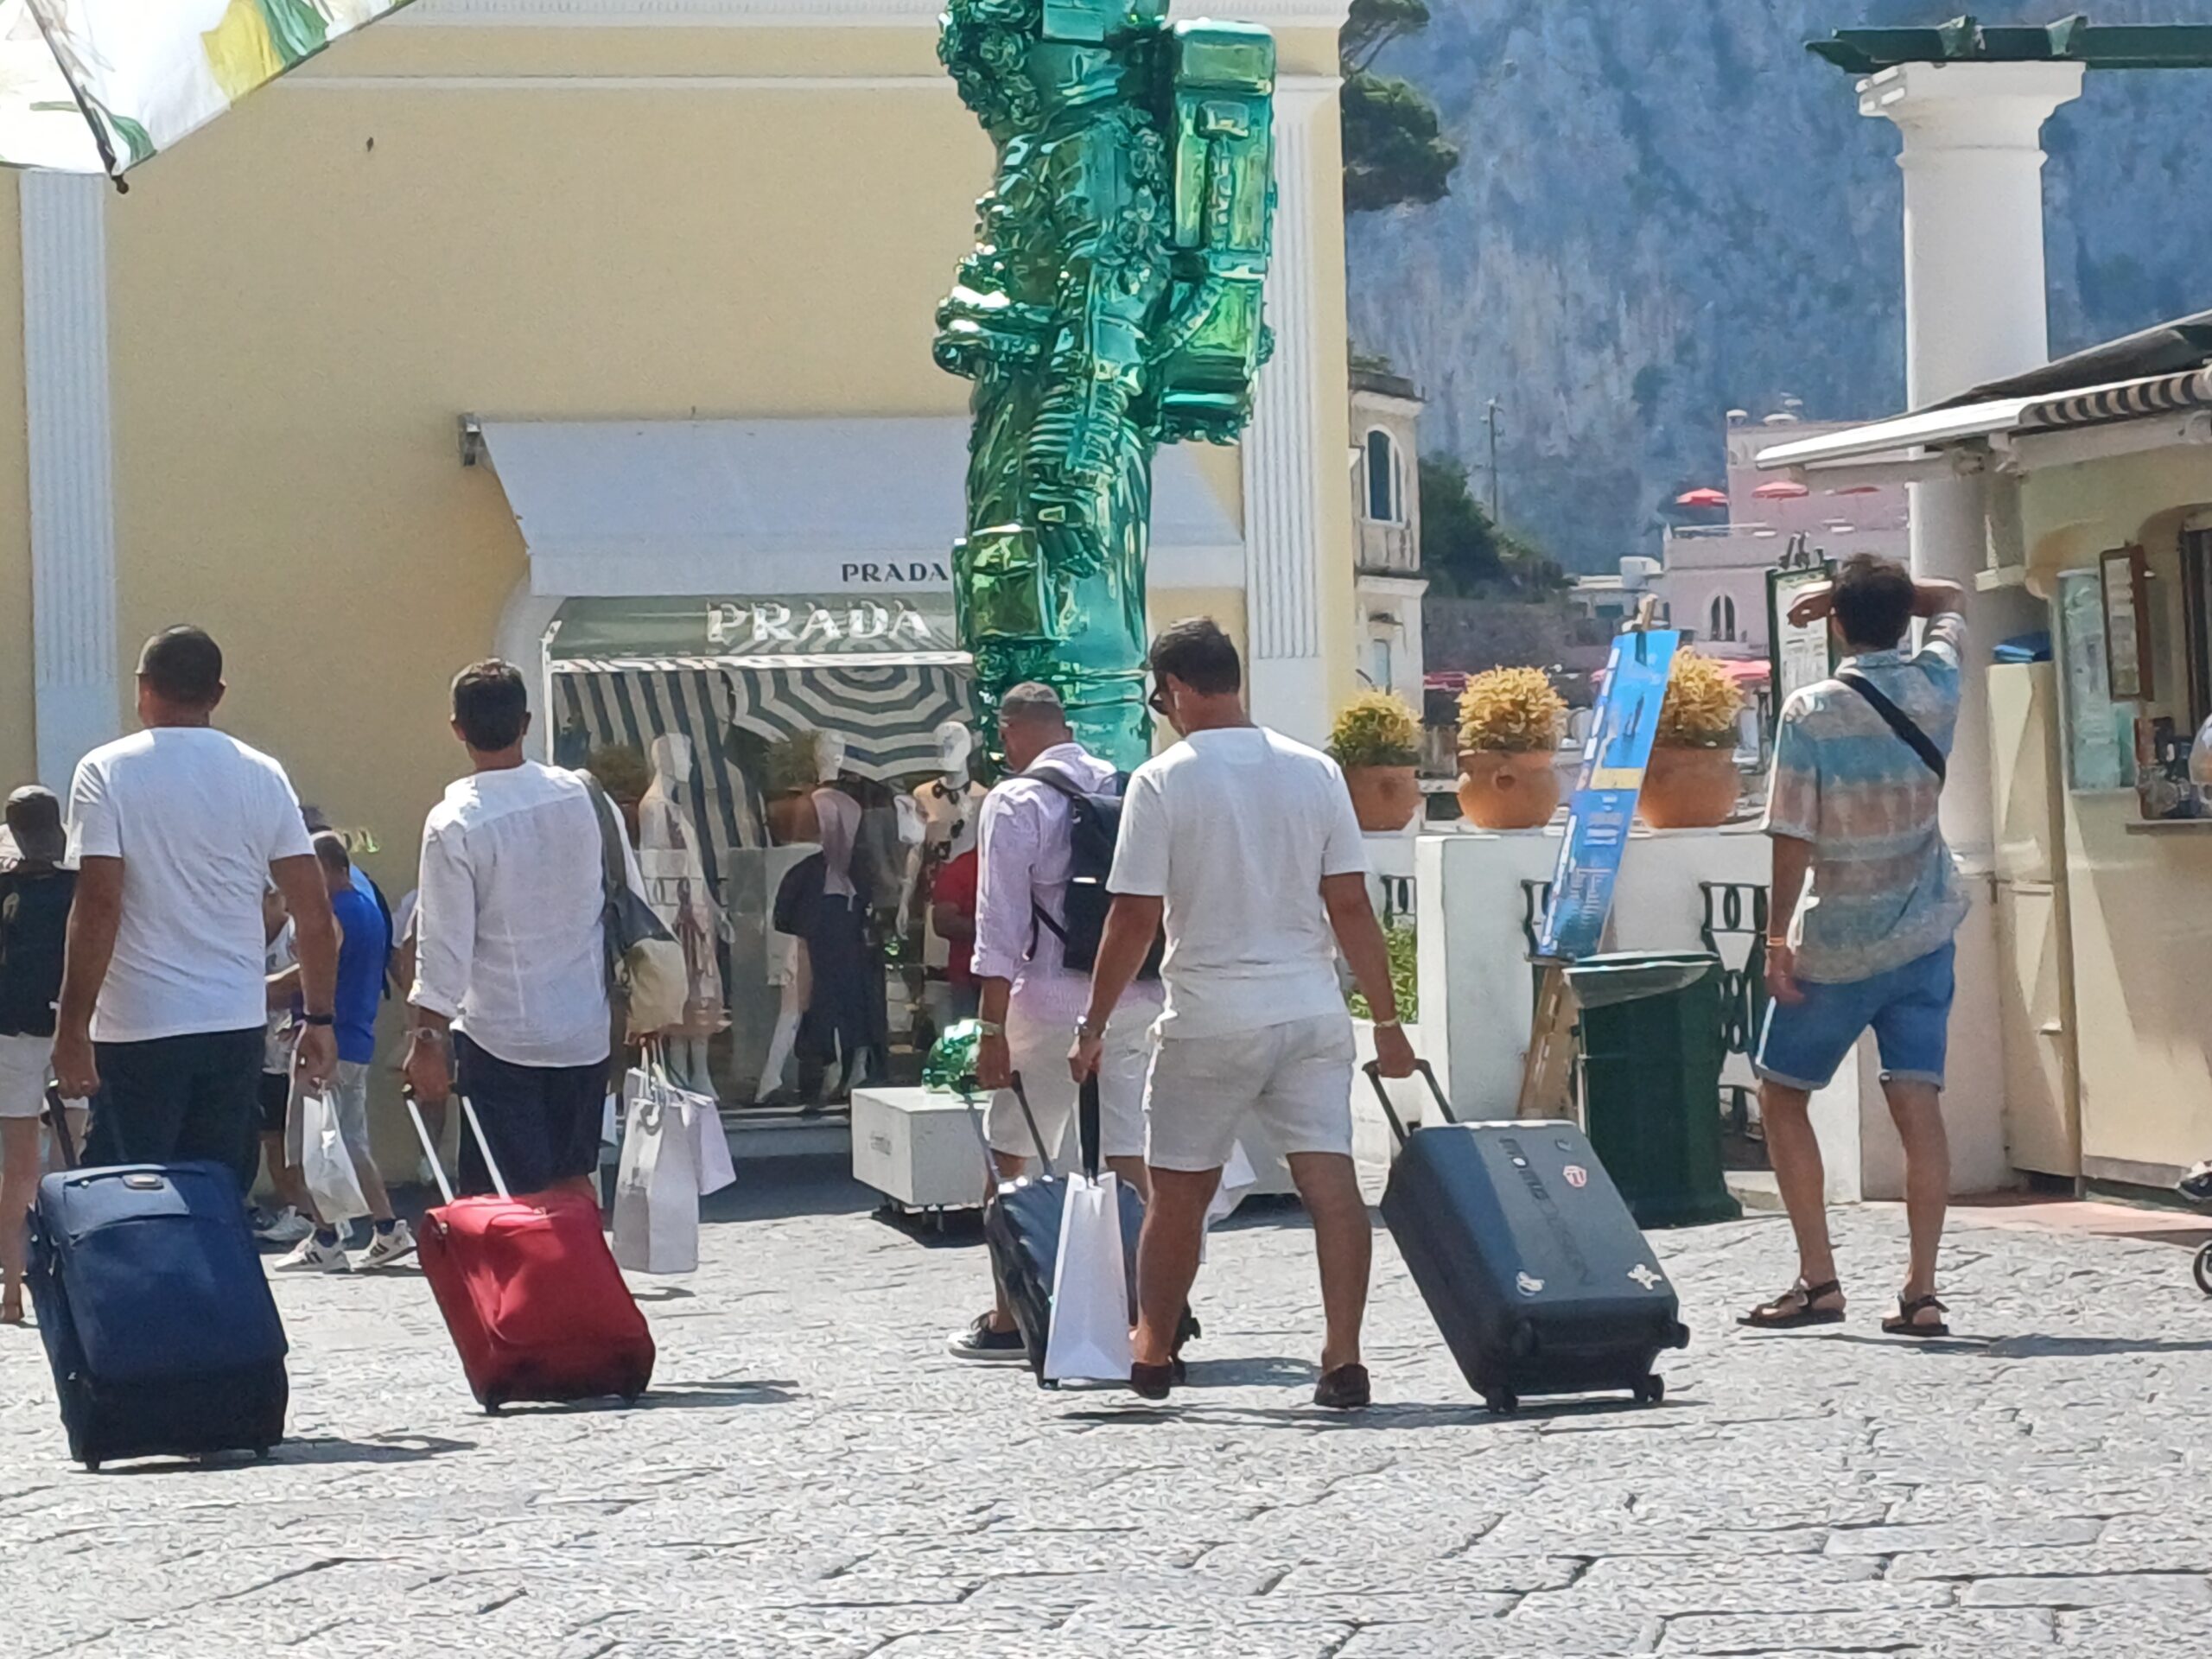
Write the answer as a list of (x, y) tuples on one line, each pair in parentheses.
[(1976, 310), (1284, 512), (68, 430)]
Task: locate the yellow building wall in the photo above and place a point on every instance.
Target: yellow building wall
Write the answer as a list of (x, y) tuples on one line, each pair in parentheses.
[(2142, 952), (18, 723)]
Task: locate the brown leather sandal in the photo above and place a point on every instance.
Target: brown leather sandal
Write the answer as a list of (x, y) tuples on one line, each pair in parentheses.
[(1793, 1309), (1906, 1322)]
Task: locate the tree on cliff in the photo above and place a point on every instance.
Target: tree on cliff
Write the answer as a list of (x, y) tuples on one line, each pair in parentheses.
[(1395, 153), (1463, 553)]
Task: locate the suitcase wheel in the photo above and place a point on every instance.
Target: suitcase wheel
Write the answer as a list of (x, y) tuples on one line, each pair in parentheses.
[(261, 1453), (1652, 1390), (1502, 1403), (2204, 1269), (92, 1466)]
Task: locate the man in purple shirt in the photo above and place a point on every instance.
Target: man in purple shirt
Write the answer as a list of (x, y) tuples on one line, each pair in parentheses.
[(1031, 1000)]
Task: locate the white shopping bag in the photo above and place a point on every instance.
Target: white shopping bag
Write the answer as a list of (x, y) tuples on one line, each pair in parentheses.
[(326, 1164), (1090, 1339), (657, 1188), (715, 1169)]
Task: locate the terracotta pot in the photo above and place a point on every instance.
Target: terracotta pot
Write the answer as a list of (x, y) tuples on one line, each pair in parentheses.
[(1690, 789), (1503, 789), (792, 820), (1385, 797)]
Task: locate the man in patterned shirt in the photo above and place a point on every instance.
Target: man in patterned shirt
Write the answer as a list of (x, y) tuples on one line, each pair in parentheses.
[(1866, 901)]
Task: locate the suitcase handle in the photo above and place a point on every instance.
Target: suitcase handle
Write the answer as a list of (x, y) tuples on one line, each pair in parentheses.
[(967, 1088), (422, 1134), (1374, 1069), (57, 1119)]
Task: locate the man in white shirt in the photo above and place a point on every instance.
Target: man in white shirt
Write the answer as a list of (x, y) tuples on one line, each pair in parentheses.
[(177, 831), (1245, 844), (1031, 998), (510, 1002)]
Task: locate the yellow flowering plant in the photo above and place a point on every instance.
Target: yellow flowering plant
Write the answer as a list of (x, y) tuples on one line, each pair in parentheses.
[(1514, 710), (1376, 729), (1703, 703)]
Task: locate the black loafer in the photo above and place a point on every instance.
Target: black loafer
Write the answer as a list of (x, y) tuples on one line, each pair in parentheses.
[(1152, 1381), (1345, 1389)]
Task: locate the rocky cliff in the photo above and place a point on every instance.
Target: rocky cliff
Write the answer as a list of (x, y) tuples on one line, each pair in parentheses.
[(1668, 208)]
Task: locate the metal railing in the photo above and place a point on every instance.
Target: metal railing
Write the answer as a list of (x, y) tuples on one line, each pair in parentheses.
[(1734, 929)]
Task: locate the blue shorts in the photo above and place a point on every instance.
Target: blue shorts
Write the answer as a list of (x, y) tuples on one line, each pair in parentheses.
[(1908, 1009)]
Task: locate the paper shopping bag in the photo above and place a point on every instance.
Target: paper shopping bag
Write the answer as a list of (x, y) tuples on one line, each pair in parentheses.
[(327, 1164), (1090, 1337), (656, 1186)]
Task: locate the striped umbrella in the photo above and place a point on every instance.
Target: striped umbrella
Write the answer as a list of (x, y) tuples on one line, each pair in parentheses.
[(887, 715)]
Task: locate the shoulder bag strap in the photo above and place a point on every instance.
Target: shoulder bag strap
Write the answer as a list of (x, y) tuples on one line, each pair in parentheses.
[(612, 877), (1900, 723)]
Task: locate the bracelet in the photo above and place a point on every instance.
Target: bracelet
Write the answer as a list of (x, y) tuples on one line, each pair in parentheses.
[(990, 1028), (1389, 1025)]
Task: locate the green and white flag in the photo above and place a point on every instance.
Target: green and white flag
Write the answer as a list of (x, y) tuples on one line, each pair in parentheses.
[(100, 85)]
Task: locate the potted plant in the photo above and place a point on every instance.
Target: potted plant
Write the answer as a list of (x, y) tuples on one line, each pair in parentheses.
[(1693, 782), (793, 770), (1510, 723), (1377, 740)]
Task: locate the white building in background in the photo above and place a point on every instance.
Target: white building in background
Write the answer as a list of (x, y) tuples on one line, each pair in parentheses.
[(1386, 531), (1714, 578)]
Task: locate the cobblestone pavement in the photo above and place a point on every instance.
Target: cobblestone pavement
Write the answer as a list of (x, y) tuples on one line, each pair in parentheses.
[(813, 1478)]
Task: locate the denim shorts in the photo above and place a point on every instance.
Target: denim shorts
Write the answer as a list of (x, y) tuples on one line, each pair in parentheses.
[(1908, 1009)]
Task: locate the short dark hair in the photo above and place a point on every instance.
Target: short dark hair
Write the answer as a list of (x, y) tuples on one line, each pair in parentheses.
[(330, 847), (491, 704), (1196, 651), (1033, 700), (1874, 601), (184, 666)]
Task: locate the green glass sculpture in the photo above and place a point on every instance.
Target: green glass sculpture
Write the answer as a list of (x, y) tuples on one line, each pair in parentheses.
[(1113, 304), (950, 1067)]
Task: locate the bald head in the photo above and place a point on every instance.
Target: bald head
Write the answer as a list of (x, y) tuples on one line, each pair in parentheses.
[(1031, 719)]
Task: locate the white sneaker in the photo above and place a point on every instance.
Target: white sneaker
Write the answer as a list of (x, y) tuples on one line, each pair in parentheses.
[(287, 1226), (311, 1255), (385, 1249)]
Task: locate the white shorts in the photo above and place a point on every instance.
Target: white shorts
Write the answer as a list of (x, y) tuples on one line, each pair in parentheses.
[(23, 1075), (1296, 1077), (1039, 1050)]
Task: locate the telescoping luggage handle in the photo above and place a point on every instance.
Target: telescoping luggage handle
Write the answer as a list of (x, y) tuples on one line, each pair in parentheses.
[(423, 1133), (57, 1119), (968, 1088), (1382, 1094)]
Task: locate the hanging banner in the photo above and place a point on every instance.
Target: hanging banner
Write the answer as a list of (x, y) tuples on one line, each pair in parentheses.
[(100, 85), (1622, 734)]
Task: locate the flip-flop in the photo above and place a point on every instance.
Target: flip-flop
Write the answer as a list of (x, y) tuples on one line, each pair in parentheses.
[(1906, 1321), (1794, 1311)]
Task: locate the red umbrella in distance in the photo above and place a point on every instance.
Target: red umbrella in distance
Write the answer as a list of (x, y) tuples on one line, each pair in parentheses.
[(1704, 497), (1782, 489)]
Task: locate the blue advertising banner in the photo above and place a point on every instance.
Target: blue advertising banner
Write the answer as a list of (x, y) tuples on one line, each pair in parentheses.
[(1622, 733)]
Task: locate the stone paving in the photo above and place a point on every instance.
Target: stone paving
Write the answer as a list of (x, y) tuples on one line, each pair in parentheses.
[(813, 1478)]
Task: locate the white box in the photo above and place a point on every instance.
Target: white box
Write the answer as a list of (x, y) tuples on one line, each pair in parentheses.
[(918, 1148)]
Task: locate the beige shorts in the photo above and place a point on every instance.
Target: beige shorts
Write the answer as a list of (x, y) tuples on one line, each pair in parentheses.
[(1040, 1049), (23, 1075), (1296, 1078)]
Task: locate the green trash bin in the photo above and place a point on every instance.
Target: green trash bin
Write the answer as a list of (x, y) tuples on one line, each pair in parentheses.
[(1652, 1051)]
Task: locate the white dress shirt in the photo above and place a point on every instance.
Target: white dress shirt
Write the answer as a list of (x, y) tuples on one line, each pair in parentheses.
[(509, 943)]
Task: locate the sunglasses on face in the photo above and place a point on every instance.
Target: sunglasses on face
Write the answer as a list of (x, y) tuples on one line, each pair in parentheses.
[(1157, 702)]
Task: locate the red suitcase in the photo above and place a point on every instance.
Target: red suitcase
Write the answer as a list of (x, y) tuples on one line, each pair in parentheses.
[(530, 1292)]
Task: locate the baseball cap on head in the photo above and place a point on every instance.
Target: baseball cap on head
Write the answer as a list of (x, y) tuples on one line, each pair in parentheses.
[(34, 818)]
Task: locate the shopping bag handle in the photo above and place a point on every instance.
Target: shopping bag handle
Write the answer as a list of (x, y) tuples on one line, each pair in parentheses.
[(1374, 1070), (1088, 1123)]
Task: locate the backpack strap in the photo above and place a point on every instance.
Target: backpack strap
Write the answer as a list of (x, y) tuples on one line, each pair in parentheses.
[(1900, 723), (1065, 787)]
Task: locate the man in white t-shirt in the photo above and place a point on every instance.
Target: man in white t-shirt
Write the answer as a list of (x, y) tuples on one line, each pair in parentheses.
[(177, 831), (510, 950), (1245, 844)]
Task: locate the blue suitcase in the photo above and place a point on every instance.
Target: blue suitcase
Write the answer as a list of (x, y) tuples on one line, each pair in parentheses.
[(157, 1318), (1536, 1274)]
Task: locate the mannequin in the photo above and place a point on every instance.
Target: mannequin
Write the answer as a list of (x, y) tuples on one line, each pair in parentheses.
[(788, 966), (950, 805), (826, 903), (677, 889)]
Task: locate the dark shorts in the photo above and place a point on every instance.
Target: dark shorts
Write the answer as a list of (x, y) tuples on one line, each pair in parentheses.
[(543, 1120), (275, 1101), (178, 1099)]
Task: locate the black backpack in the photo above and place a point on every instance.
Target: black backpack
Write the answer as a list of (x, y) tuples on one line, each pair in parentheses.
[(1095, 831), (33, 934)]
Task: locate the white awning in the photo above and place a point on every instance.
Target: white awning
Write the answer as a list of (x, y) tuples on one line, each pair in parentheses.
[(638, 508), (1902, 434)]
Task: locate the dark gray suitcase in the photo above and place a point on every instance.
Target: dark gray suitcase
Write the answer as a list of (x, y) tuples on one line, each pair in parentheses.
[(1527, 1255)]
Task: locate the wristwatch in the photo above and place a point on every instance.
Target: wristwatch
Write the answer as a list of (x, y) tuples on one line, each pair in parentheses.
[(990, 1028), (319, 1018), (1389, 1025), (1085, 1029)]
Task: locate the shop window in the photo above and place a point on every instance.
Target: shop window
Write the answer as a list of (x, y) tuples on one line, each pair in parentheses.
[(2100, 732), (1724, 618), (1379, 664), (1386, 491)]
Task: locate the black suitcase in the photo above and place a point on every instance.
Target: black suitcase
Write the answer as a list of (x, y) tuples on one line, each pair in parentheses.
[(156, 1313), (1527, 1255), (1021, 1228)]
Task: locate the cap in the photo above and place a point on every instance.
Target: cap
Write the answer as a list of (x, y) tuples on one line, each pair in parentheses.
[(35, 823)]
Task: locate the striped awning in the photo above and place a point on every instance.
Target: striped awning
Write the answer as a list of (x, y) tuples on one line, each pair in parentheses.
[(888, 713), (2132, 400), (626, 706)]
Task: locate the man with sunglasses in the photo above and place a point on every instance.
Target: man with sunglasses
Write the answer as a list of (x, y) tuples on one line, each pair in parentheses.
[(1245, 845)]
